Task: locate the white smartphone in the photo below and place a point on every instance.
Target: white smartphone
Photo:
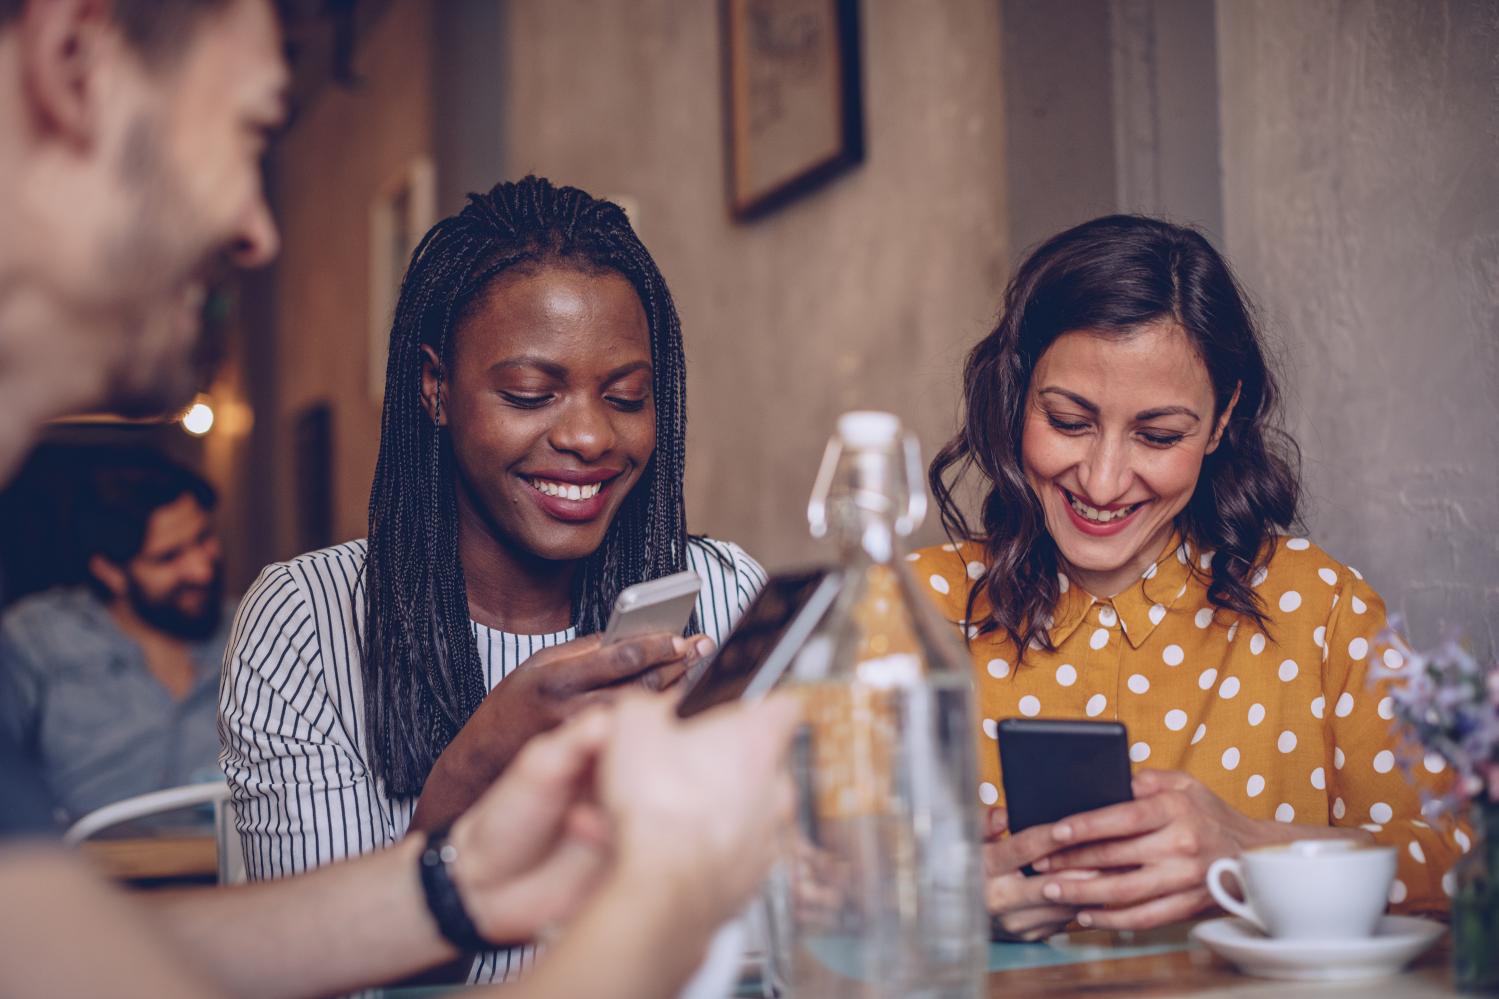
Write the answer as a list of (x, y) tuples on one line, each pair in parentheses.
[(657, 605)]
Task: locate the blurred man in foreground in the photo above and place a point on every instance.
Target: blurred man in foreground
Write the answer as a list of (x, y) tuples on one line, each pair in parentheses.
[(113, 685), (130, 174)]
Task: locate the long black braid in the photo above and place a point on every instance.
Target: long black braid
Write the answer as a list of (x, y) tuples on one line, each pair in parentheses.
[(422, 675)]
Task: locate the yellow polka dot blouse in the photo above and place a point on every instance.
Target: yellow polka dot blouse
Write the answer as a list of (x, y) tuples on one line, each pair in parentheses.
[(1281, 722)]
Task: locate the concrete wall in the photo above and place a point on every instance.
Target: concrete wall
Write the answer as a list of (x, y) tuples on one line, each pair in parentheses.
[(1059, 116), (1343, 152), (866, 293), (1110, 106), (1361, 193)]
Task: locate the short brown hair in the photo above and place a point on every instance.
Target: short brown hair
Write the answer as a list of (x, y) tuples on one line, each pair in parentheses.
[(156, 29)]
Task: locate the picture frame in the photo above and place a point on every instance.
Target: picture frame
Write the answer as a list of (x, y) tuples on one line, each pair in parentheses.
[(794, 109), (402, 212)]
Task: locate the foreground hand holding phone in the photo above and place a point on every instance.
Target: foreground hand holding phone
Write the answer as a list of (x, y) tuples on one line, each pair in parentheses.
[(1135, 865), (590, 801), (689, 848), (616, 832)]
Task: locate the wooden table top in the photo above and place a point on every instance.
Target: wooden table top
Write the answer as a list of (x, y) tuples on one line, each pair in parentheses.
[(1189, 971), (169, 857), (1196, 972)]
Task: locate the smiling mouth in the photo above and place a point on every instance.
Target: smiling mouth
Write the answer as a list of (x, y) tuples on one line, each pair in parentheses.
[(1096, 515), (567, 490)]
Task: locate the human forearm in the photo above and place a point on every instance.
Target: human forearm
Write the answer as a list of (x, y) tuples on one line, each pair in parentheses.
[(640, 937), (336, 929), (550, 687), (64, 932), (466, 769)]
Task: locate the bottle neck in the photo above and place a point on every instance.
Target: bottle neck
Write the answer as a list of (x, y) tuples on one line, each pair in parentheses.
[(865, 537), (869, 496)]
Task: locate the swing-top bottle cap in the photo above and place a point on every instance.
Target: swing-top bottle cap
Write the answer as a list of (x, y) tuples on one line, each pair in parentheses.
[(869, 428)]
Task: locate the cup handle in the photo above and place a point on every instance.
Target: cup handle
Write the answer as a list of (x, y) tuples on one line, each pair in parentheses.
[(1230, 865)]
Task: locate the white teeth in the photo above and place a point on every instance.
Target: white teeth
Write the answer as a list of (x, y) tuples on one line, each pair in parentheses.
[(567, 490), (1099, 516)]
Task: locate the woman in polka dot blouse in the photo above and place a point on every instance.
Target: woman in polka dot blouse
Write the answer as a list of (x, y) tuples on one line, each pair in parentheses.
[(1121, 418)]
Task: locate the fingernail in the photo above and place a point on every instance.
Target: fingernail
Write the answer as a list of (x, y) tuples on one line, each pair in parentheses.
[(704, 647), (1052, 891), (1044, 864), (1062, 833), (1084, 919)]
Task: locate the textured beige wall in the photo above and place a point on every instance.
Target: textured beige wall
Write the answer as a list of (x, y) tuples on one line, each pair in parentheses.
[(349, 144), (863, 294), (1361, 196)]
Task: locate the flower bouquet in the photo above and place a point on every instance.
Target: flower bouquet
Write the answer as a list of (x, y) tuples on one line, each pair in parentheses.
[(1448, 703)]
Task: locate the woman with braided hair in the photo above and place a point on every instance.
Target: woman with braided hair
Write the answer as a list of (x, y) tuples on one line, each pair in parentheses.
[(530, 468)]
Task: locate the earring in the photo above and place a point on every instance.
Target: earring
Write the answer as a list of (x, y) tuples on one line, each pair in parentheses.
[(437, 402)]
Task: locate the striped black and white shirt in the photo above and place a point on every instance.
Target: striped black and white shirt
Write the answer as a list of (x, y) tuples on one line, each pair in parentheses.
[(291, 711)]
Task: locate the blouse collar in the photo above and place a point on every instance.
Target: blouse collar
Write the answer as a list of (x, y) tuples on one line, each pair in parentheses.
[(1143, 605)]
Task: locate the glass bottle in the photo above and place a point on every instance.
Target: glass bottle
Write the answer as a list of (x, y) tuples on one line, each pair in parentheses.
[(886, 881)]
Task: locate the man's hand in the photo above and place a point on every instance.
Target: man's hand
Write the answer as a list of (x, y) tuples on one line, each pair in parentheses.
[(1153, 852), (532, 848), (545, 690), (699, 804)]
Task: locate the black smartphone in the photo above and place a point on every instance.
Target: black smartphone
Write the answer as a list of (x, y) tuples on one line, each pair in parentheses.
[(762, 644), (1053, 769)]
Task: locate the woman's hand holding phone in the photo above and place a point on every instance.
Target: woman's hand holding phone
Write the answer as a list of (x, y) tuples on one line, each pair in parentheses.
[(558, 682), (1018, 908), (545, 690), (1153, 853), (1134, 865)]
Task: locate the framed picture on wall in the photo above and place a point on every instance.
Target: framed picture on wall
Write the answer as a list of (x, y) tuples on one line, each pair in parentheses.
[(794, 116), (400, 216)]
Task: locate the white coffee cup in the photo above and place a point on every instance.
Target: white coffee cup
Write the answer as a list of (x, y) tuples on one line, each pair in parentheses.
[(1312, 889)]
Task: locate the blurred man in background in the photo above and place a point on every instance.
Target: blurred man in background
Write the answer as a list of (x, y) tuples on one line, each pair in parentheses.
[(111, 687)]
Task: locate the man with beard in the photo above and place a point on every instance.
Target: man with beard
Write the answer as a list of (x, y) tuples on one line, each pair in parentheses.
[(113, 686), (129, 173)]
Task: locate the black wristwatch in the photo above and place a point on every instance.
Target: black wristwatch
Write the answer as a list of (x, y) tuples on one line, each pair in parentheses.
[(443, 900)]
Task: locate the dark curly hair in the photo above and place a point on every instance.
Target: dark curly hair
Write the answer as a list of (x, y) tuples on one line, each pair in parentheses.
[(422, 674), (1111, 276)]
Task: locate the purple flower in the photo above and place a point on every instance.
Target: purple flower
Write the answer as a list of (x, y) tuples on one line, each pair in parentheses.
[(1449, 704)]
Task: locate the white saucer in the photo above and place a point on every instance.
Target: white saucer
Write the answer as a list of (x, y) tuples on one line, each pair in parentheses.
[(1396, 941)]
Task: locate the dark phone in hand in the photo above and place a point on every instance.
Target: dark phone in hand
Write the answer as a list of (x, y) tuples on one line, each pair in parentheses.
[(1053, 769), (763, 643)]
